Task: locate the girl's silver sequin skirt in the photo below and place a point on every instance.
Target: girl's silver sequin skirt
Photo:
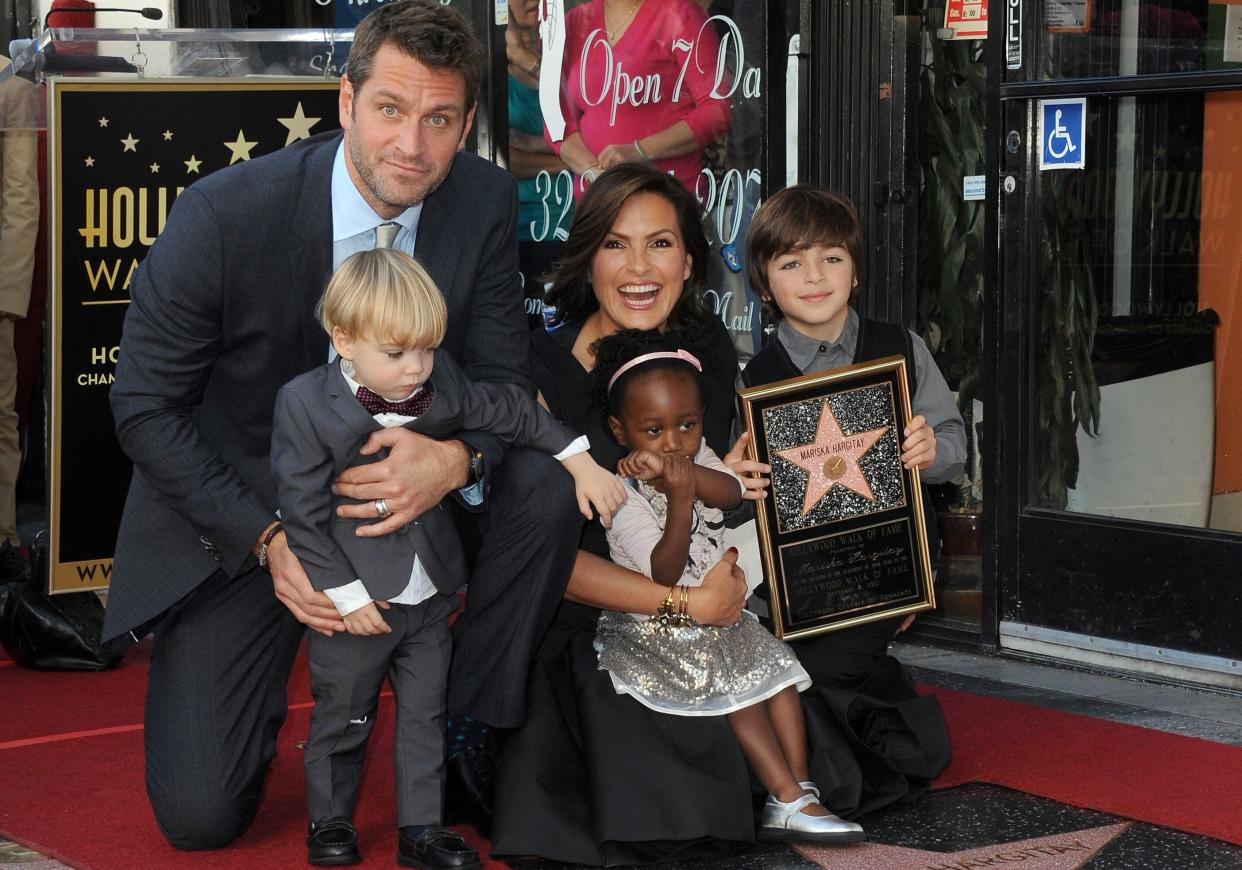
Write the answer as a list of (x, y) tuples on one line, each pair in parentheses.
[(696, 670)]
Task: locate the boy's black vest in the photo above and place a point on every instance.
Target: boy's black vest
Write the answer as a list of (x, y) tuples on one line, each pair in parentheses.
[(875, 340)]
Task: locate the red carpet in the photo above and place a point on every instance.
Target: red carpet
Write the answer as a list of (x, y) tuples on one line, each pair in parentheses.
[(1166, 779), (71, 772), (71, 776)]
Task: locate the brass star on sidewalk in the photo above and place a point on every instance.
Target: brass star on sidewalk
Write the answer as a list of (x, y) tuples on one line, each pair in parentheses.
[(192, 164), (299, 125), (1067, 851), (241, 148), (130, 143), (832, 458)]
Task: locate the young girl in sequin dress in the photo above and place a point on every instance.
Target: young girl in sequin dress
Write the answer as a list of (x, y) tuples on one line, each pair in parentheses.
[(671, 529)]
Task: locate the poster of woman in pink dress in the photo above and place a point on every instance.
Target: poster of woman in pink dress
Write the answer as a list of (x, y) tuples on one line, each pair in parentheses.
[(641, 80)]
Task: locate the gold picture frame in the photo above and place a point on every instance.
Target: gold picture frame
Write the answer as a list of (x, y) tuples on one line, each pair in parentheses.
[(842, 533)]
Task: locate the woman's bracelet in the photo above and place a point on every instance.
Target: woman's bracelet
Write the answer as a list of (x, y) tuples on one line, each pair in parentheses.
[(533, 69), (669, 615), (639, 148)]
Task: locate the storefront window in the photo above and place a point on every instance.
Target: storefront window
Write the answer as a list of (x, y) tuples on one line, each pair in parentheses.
[(1139, 316), (678, 82), (1092, 38)]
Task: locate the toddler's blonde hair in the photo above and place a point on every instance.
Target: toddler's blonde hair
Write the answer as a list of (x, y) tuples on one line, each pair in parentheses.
[(387, 296)]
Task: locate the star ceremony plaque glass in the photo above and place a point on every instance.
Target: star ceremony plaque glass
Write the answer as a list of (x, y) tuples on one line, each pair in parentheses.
[(841, 532)]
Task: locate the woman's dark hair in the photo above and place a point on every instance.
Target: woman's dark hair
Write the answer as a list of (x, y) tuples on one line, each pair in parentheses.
[(431, 33), (614, 351), (794, 219), (571, 292)]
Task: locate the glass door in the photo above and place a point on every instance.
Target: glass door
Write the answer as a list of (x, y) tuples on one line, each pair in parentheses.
[(1116, 344)]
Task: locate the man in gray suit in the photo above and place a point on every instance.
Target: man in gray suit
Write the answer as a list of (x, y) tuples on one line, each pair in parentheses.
[(221, 317)]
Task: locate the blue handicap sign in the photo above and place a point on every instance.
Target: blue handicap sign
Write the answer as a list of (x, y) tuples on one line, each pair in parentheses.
[(1063, 133)]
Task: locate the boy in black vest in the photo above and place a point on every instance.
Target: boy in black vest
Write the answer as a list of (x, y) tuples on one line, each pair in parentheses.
[(802, 256)]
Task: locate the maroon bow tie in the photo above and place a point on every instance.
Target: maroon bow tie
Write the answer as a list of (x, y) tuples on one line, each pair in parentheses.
[(415, 406)]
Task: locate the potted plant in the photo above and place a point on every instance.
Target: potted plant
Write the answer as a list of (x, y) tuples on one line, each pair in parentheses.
[(951, 259), (951, 289)]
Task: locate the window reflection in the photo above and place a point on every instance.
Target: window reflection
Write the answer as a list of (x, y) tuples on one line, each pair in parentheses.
[(1128, 37), (1139, 318), (678, 82)]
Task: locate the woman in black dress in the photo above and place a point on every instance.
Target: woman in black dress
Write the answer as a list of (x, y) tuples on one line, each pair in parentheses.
[(594, 777)]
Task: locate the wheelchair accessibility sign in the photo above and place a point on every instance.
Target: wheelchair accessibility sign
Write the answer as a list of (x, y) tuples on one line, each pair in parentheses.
[(1063, 133)]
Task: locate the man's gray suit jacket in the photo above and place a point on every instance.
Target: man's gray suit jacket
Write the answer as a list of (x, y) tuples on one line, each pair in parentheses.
[(222, 316), (320, 426)]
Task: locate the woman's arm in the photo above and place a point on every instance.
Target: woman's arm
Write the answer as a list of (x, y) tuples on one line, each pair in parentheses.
[(670, 142), (599, 583), (527, 164), (575, 154)]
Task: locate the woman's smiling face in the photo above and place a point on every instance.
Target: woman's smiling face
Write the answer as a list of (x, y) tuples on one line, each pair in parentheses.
[(639, 272)]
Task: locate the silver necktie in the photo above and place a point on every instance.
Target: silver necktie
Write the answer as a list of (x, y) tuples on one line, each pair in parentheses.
[(385, 234)]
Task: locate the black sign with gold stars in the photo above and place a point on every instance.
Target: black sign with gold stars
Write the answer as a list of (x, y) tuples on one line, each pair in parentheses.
[(121, 153)]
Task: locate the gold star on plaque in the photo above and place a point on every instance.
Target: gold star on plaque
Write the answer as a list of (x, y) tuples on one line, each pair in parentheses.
[(192, 164), (89, 161), (168, 135), (103, 122), (832, 459), (299, 125), (130, 143), (241, 148), (155, 168)]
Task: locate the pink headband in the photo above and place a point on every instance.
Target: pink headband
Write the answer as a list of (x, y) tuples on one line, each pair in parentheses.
[(683, 355)]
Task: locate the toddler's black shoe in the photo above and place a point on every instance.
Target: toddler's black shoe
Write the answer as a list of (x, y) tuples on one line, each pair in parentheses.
[(436, 848), (332, 843)]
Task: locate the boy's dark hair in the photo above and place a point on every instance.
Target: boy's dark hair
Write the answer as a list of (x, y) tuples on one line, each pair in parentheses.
[(613, 351), (794, 219), (431, 33), (571, 292)]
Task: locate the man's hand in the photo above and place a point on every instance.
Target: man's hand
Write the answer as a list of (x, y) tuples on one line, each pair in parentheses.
[(293, 588), (751, 472), (719, 601), (919, 448), (417, 473), (367, 620)]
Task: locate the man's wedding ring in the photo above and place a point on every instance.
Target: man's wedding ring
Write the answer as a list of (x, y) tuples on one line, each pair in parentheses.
[(381, 508)]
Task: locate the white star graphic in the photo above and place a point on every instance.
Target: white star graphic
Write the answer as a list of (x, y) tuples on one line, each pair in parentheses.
[(240, 148), (299, 125), (168, 135), (155, 168), (103, 122), (130, 143), (192, 164), (89, 161)]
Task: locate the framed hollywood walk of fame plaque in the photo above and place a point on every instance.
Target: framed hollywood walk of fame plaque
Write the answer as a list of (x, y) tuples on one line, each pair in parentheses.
[(841, 532)]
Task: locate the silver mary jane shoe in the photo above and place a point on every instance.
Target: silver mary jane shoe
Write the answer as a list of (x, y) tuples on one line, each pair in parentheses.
[(786, 821)]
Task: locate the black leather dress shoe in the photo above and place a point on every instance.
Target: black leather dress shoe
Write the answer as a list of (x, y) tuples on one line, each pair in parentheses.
[(332, 843), (469, 786), (436, 848)]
